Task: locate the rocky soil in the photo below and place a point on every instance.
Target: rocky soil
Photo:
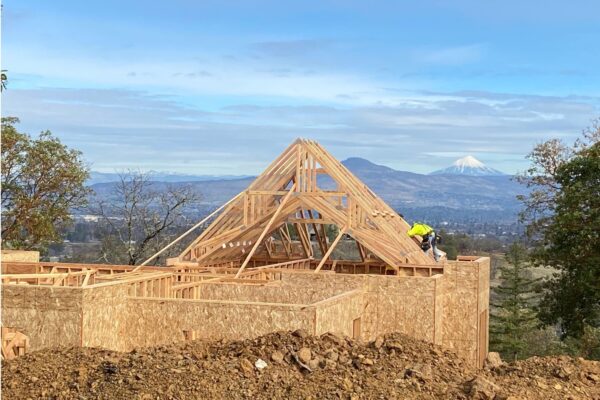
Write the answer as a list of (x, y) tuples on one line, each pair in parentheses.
[(294, 365)]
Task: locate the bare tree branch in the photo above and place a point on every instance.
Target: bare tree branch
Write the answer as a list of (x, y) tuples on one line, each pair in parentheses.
[(141, 216)]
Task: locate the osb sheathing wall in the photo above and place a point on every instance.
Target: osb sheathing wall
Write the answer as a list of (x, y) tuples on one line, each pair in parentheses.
[(67, 316), (464, 298), (390, 304), (444, 309), (49, 316), (105, 311), (19, 261), (29, 256), (326, 283), (159, 321), (484, 308), (338, 313), (405, 305), (274, 292), (19, 268)]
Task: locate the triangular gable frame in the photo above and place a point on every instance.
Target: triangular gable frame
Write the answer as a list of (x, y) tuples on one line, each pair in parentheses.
[(288, 187)]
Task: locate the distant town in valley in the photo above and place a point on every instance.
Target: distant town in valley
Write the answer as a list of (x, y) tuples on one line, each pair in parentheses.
[(468, 198)]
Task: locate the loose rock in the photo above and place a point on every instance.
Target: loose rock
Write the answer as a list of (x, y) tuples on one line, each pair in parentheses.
[(260, 364), (481, 389), (246, 366), (304, 355), (301, 333), (394, 345), (277, 357), (493, 360)]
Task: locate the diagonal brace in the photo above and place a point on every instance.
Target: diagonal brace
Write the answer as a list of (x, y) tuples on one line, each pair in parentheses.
[(331, 248), (266, 230)]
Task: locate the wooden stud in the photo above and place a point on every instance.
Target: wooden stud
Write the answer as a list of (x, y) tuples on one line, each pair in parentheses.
[(264, 232)]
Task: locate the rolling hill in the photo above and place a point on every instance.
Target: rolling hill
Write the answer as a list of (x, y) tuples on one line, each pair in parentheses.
[(490, 197)]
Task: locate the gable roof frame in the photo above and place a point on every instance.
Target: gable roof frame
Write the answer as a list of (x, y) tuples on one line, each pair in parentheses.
[(296, 172)]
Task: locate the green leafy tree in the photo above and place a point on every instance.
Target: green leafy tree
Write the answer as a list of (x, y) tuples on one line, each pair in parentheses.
[(513, 317), (541, 178), (42, 180), (571, 244)]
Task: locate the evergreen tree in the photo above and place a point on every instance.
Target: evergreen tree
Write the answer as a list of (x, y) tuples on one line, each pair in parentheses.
[(571, 244), (513, 317)]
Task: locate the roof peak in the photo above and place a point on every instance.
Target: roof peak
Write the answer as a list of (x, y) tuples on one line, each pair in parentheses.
[(468, 161)]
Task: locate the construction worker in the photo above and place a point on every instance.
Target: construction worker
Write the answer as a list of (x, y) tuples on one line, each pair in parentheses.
[(429, 238)]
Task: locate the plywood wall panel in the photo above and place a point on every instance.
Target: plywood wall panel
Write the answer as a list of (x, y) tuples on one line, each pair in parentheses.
[(337, 315), (269, 293), (370, 318), (158, 321), (20, 256), (105, 315), (50, 316)]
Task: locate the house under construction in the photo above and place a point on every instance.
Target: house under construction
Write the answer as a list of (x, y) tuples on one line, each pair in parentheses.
[(269, 260)]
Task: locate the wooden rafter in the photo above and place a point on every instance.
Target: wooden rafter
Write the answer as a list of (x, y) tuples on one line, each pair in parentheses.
[(193, 228), (266, 230)]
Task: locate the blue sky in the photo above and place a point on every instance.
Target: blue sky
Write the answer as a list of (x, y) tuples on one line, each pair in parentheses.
[(223, 87)]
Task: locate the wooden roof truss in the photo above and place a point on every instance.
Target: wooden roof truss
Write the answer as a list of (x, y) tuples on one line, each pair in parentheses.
[(289, 193)]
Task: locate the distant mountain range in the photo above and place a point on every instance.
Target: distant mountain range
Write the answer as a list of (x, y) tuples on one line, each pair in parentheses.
[(484, 197), (105, 177), (468, 165), (459, 191)]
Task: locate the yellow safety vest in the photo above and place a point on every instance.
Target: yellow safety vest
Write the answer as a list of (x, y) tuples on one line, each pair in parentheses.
[(420, 230)]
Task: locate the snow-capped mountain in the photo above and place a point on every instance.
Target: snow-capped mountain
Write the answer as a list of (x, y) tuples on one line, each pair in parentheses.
[(468, 165)]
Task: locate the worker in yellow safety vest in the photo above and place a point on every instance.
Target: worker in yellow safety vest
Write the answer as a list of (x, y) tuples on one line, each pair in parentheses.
[(429, 238)]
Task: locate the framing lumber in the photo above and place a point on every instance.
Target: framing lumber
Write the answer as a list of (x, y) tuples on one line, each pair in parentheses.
[(266, 230), (321, 240), (285, 242), (330, 250), (193, 228), (14, 343), (241, 228)]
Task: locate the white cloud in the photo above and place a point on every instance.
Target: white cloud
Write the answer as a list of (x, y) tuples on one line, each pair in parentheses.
[(457, 55), (217, 77), (124, 128)]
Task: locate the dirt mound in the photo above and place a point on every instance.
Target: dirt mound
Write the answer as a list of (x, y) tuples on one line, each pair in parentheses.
[(286, 365)]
